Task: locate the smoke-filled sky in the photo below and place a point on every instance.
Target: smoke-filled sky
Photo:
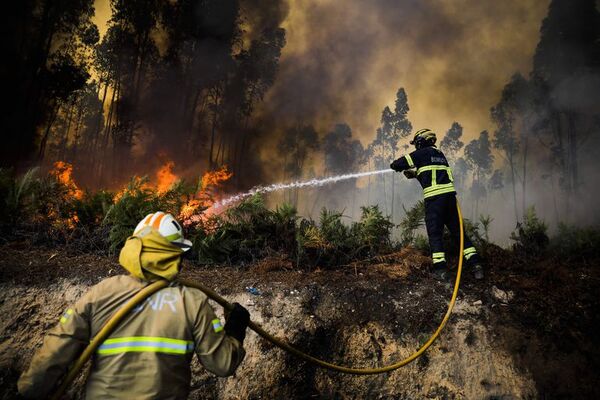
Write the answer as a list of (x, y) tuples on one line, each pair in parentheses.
[(344, 60)]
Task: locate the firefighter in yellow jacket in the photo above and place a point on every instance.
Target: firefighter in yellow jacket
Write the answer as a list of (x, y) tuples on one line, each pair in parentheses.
[(148, 355)]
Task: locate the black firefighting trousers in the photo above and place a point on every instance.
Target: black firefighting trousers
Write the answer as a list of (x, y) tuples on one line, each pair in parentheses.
[(441, 211)]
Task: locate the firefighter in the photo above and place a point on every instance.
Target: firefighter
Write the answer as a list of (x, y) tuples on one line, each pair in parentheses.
[(148, 355), (429, 166)]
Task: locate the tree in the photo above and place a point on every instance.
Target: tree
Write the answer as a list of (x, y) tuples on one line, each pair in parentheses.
[(460, 173), (451, 143), (394, 126), (342, 155), (295, 146), (478, 155), (566, 58), (43, 39), (505, 138)]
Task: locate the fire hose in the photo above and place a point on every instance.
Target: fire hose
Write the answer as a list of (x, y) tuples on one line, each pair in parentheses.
[(158, 285)]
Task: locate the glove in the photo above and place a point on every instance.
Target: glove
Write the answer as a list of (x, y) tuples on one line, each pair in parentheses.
[(393, 166), (410, 174), (237, 322)]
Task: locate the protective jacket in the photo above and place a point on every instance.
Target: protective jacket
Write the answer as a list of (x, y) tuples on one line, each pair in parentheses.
[(435, 176), (433, 172), (148, 355)]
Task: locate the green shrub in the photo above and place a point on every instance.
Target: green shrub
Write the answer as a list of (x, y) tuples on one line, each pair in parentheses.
[(413, 220), (93, 207), (485, 222), (576, 243), (136, 201), (421, 242), (531, 235), (17, 195), (372, 232), (246, 232)]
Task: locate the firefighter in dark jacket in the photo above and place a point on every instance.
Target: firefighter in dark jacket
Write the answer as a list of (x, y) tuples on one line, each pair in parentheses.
[(430, 167)]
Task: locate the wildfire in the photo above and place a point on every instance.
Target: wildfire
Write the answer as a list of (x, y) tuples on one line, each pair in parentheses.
[(198, 208), (215, 178), (63, 173), (165, 177)]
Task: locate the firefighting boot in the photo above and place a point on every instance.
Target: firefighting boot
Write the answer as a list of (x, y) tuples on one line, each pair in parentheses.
[(477, 270), (473, 262), (440, 271)]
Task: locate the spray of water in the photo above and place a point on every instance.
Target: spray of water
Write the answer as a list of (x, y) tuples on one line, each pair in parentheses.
[(298, 184)]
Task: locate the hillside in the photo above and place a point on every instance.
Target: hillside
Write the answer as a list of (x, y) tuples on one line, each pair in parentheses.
[(526, 331)]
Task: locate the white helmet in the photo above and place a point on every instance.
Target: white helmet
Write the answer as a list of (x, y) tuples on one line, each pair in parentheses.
[(167, 226)]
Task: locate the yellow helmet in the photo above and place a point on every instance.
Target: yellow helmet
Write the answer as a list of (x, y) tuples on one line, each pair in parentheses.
[(423, 136)]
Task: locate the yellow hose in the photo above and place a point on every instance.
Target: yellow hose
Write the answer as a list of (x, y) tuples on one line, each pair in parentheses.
[(334, 367), (154, 287)]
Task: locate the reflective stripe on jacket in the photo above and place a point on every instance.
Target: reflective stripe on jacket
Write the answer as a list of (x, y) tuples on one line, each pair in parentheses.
[(433, 172), (148, 356)]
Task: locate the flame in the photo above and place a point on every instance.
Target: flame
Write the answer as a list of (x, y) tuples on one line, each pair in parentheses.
[(63, 172), (165, 177), (198, 209), (215, 178)]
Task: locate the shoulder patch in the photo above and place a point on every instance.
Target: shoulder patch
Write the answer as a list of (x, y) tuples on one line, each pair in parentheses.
[(217, 326)]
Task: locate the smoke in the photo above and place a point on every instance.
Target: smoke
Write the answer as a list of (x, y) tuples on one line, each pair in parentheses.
[(344, 61)]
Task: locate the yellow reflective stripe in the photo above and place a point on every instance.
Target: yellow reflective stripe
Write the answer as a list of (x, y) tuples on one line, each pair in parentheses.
[(469, 250), (438, 257), (66, 315), (436, 188), (409, 160), (141, 349), (433, 168), (438, 192), (145, 344), (449, 171), (145, 339)]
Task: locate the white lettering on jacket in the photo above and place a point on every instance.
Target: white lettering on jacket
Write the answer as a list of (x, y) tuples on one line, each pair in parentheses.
[(158, 301)]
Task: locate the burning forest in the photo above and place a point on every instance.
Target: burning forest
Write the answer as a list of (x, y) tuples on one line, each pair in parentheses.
[(337, 170)]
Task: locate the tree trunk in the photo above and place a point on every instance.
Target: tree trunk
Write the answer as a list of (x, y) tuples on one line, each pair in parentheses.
[(65, 137), (211, 159), (393, 186), (77, 134), (93, 143), (514, 185), (44, 140), (573, 167), (524, 185)]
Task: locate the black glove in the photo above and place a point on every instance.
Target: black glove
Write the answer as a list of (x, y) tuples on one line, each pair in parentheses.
[(410, 174), (237, 322), (393, 166)]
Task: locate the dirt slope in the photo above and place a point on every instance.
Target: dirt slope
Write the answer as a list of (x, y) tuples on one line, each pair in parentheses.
[(497, 345)]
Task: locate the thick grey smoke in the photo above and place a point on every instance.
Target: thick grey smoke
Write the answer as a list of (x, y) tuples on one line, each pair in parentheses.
[(344, 61)]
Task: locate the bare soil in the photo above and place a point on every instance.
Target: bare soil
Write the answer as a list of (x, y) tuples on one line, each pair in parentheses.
[(525, 331)]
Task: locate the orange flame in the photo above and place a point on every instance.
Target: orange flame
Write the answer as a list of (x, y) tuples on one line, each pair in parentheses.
[(215, 178), (63, 172), (165, 177), (197, 209)]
